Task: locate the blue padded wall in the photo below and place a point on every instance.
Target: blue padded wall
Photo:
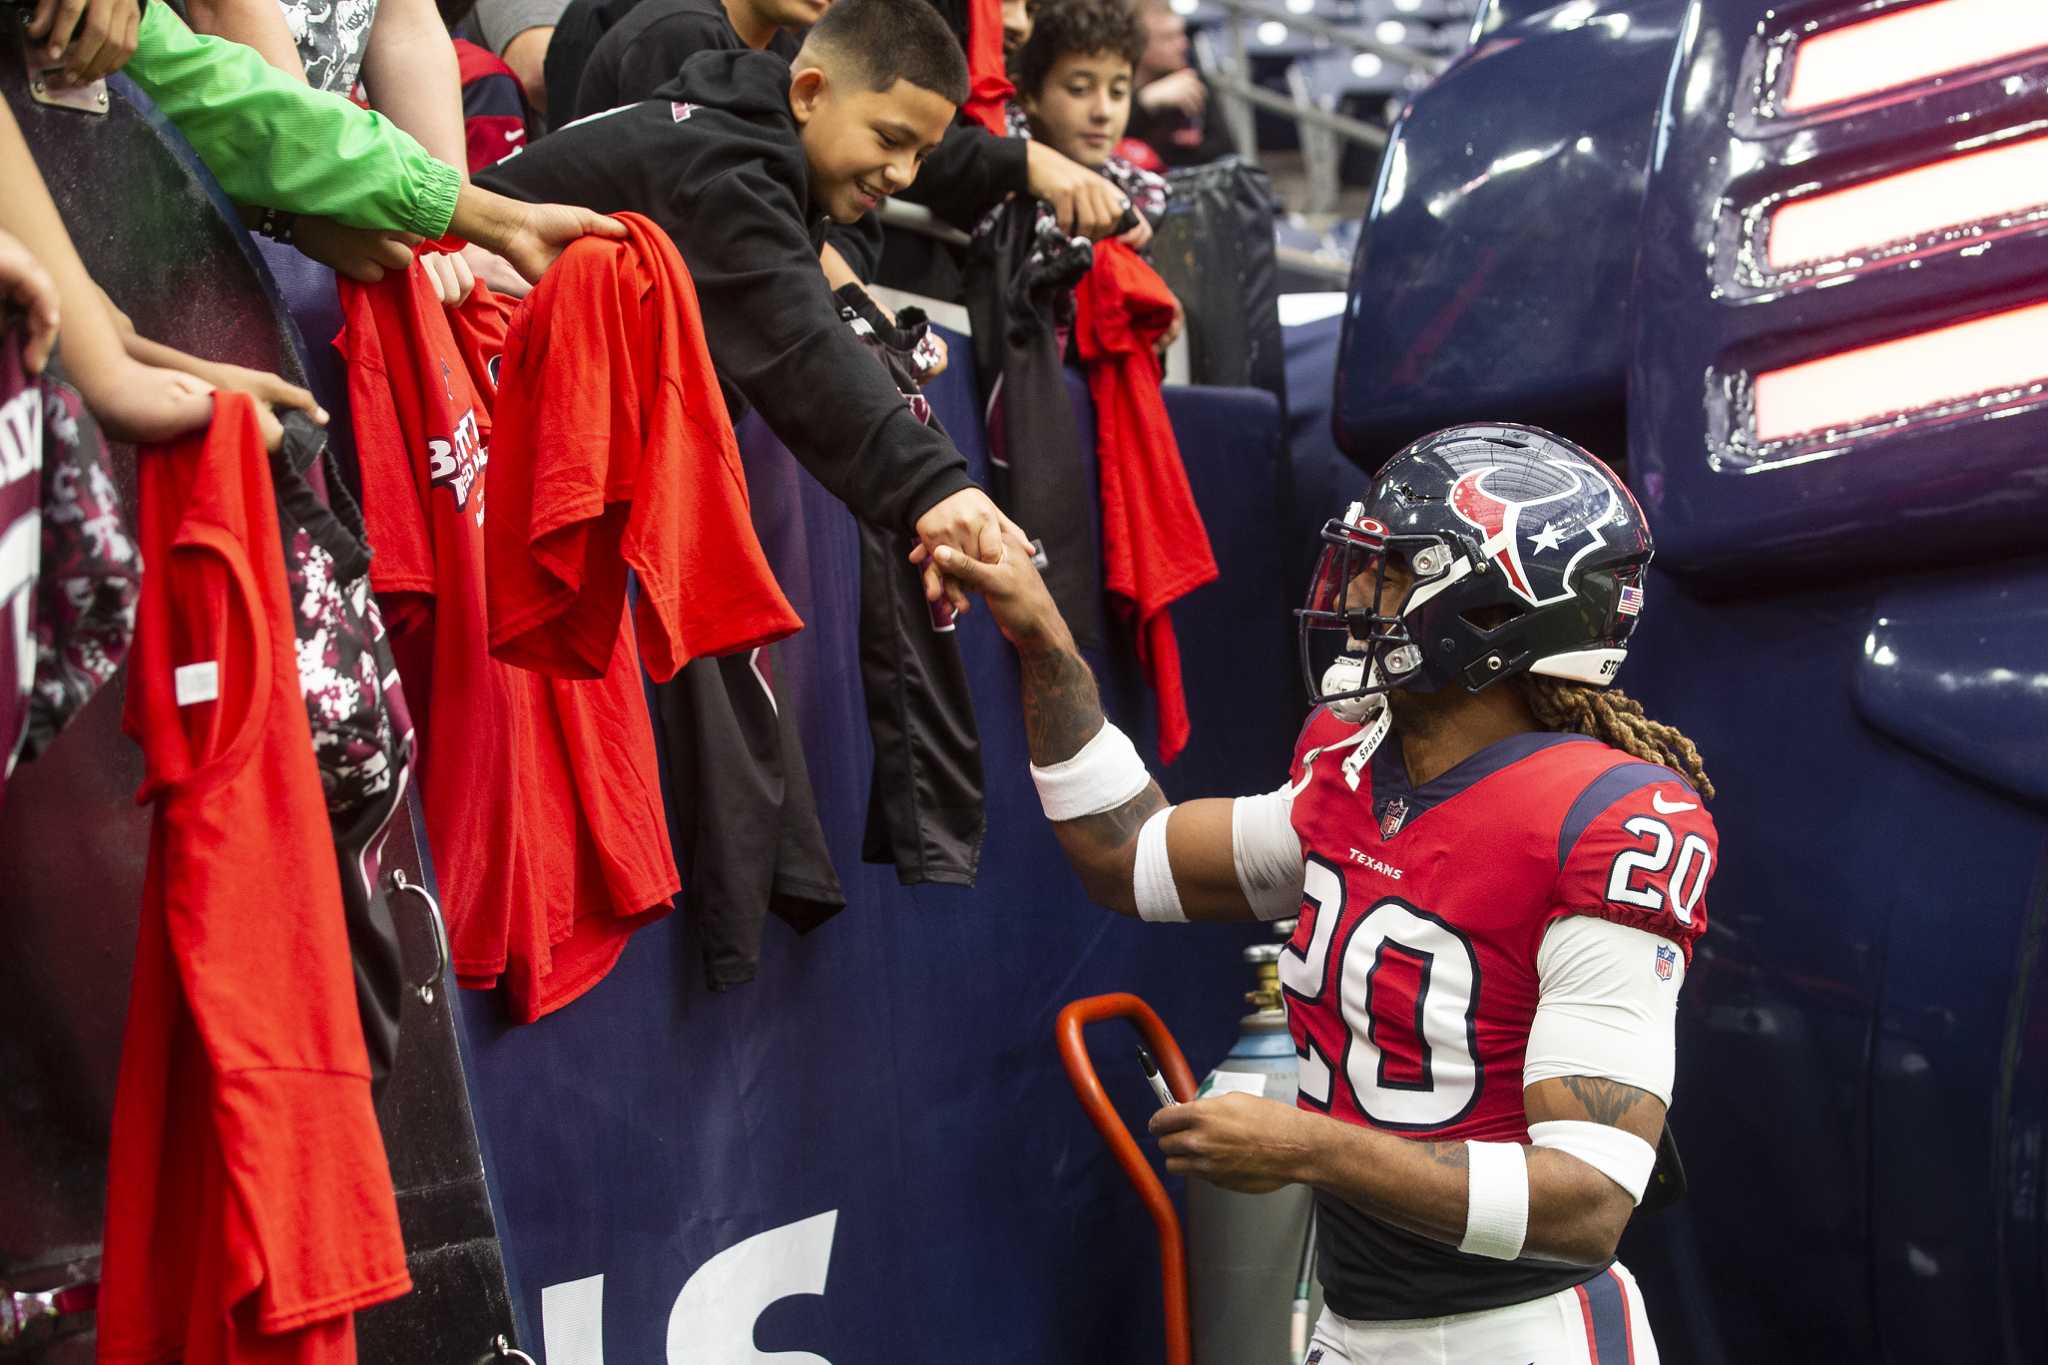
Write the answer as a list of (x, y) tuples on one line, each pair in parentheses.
[(889, 1085)]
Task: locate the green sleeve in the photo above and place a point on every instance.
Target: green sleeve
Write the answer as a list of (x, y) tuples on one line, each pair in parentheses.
[(273, 141)]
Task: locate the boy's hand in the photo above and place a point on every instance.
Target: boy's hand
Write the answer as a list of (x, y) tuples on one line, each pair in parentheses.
[(450, 275), (495, 271), (24, 281), (1085, 204), (547, 232), (358, 253), (1017, 598), (1138, 237), (141, 403), (528, 236), (967, 522), (269, 390)]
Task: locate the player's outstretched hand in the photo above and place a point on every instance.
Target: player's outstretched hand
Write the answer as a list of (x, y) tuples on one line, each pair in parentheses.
[(1241, 1142), (1017, 598), (968, 523), (25, 283), (1085, 203)]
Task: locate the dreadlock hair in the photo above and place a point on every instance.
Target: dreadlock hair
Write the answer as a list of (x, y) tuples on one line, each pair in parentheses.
[(1613, 717)]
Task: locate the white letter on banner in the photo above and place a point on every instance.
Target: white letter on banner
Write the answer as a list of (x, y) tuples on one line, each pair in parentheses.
[(572, 1322), (712, 1322)]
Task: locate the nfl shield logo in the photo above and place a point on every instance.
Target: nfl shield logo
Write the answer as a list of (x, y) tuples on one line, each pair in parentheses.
[(1395, 815), (1314, 1356), (1665, 957)]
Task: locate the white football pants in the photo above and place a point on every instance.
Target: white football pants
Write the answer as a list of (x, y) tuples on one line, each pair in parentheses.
[(1598, 1323)]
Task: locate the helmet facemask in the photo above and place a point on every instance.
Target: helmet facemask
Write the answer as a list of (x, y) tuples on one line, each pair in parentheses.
[(1353, 629)]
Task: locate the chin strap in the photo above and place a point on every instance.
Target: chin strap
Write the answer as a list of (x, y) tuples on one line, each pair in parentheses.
[(1370, 713)]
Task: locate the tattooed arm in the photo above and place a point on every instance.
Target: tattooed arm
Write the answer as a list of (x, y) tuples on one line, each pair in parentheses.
[(1062, 712), (1576, 1214)]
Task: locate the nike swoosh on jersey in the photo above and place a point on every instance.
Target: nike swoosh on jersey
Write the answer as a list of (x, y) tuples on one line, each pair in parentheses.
[(1664, 807)]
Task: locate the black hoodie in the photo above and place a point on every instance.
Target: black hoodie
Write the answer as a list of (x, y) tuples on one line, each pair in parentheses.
[(717, 163)]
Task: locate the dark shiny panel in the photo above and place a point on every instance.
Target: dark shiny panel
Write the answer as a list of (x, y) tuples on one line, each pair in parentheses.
[(1490, 280), (1959, 672), (1913, 488), (1772, 1100)]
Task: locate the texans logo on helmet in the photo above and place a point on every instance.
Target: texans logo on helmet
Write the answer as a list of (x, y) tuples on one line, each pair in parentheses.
[(1536, 533)]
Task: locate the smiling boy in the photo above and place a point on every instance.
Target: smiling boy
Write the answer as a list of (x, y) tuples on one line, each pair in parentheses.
[(742, 160)]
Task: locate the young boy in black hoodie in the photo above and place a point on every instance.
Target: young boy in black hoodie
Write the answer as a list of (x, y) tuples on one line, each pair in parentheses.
[(743, 160)]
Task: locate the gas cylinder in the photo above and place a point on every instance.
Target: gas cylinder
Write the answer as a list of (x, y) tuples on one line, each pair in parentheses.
[(1250, 1274)]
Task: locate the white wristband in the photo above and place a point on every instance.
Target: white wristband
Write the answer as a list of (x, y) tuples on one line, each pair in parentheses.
[(1496, 1200), (1622, 1157), (1105, 774), (1152, 877)]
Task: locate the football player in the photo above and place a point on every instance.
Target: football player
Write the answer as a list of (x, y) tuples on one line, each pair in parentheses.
[(1499, 865)]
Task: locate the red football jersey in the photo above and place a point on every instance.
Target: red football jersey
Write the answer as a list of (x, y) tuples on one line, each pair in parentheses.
[(1411, 979)]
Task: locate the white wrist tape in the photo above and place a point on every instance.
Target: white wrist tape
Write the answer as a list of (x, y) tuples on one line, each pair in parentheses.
[(1496, 1200), (1152, 878), (1106, 773), (1622, 1157)]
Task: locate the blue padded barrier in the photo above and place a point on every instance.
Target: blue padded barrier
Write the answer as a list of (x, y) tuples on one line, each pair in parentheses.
[(888, 1085)]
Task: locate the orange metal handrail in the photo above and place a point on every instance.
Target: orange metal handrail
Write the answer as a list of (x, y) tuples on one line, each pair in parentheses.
[(1173, 1268)]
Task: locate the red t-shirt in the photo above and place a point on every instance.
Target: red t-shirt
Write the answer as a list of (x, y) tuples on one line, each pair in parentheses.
[(612, 451), (604, 724), (1155, 549), (542, 873), (249, 1203)]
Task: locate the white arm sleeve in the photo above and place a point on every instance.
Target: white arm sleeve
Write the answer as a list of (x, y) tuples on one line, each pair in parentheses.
[(1602, 1009), (1267, 853)]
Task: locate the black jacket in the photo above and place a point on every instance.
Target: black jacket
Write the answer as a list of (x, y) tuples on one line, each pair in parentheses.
[(716, 162), (647, 46)]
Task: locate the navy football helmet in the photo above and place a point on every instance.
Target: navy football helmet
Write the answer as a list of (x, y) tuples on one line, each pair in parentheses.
[(1522, 554)]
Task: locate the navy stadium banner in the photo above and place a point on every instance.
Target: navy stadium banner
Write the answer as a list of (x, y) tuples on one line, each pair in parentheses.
[(869, 1155)]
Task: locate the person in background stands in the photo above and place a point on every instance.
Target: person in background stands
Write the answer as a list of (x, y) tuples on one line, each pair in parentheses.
[(522, 33), (496, 120), (1174, 114), (1074, 79)]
